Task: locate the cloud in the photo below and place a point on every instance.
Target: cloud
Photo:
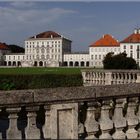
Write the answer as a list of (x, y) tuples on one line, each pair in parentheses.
[(22, 4), (23, 18)]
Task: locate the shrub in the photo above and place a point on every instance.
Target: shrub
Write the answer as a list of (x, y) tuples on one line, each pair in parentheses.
[(9, 82)]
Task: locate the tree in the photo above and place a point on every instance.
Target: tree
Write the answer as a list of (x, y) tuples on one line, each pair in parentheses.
[(16, 49), (119, 61)]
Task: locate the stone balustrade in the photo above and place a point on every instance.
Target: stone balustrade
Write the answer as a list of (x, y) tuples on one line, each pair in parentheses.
[(99, 112), (110, 77)]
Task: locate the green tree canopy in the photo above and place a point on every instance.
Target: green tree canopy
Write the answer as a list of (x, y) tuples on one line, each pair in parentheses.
[(16, 49), (119, 61)]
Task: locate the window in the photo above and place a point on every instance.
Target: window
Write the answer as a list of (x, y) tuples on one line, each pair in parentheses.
[(138, 51), (47, 56), (95, 56), (37, 50), (99, 56), (131, 54), (131, 47), (9, 57), (91, 56), (124, 47), (42, 56), (37, 57), (42, 50)]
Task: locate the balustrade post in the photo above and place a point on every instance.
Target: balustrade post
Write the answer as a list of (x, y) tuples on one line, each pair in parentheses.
[(31, 131), (108, 78), (91, 125), (13, 132), (132, 119), (119, 120), (106, 123), (46, 127)]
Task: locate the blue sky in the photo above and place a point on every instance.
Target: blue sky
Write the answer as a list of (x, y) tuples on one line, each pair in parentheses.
[(82, 22)]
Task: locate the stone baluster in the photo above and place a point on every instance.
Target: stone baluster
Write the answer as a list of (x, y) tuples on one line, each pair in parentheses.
[(0, 133), (89, 78), (138, 77), (91, 125), (132, 119), (118, 79), (106, 124), (101, 78), (98, 78), (122, 78), (125, 78), (80, 121), (138, 115), (31, 131), (129, 77), (93, 78), (46, 127), (134, 78), (13, 132), (119, 120), (84, 77)]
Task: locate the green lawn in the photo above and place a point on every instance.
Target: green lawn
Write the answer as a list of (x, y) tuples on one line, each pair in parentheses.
[(37, 70)]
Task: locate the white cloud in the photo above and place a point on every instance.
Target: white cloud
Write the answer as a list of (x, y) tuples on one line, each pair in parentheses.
[(14, 18), (21, 4)]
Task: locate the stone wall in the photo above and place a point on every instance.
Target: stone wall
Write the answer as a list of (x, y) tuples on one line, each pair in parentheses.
[(111, 111)]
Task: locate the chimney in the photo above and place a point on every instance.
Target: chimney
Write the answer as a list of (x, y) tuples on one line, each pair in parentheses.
[(139, 31), (136, 31), (51, 36)]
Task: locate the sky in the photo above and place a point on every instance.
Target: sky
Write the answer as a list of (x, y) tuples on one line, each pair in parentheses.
[(81, 22)]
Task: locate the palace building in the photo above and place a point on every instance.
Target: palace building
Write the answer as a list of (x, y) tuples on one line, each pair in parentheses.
[(51, 49)]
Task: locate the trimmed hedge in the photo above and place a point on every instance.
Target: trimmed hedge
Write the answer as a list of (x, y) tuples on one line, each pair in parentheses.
[(9, 82)]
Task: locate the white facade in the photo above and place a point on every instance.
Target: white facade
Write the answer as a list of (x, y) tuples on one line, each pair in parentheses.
[(97, 54), (131, 46), (50, 49), (76, 59)]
